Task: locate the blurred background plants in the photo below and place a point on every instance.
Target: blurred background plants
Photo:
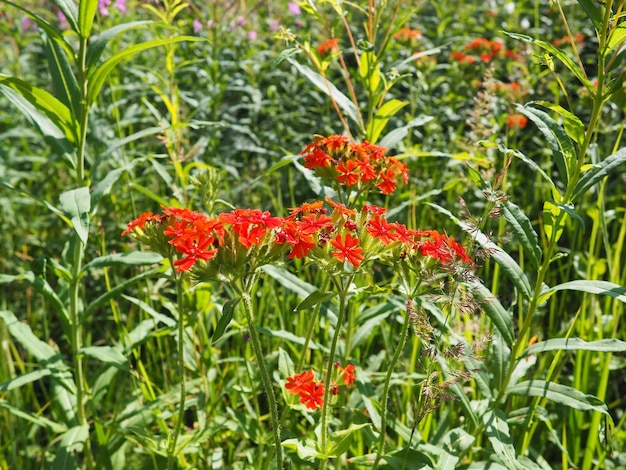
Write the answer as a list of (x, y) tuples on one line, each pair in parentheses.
[(212, 117)]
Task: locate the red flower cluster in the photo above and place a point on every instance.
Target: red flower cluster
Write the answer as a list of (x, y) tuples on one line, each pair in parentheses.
[(311, 391), (354, 163), (329, 46), (406, 35), (483, 50), (516, 121), (196, 236)]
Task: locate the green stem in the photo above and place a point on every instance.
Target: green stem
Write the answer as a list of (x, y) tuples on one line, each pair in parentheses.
[(265, 377), (76, 341), (392, 365), (343, 296), (171, 448)]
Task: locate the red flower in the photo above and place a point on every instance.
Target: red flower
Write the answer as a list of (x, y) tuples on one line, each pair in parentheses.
[(349, 376), (348, 248), (194, 248), (140, 222), (297, 382), (311, 224), (317, 158), (312, 395), (328, 46), (347, 174), (301, 242), (378, 227), (311, 392), (443, 248)]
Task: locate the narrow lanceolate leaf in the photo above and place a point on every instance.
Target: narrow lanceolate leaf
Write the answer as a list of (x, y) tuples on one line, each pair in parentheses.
[(331, 90), (69, 10), (592, 287), (99, 75), (597, 172), (494, 310), (20, 380), (86, 13), (228, 310), (135, 258), (63, 79), (106, 354), (593, 11), (559, 54), (76, 204), (562, 147), (576, 344), (558, 393), (506, 262), (618, 37), (554, 220), (524, 232), (313, 299), (381, 118), (573, 125), (398, 133), (498, 434), (44, 102), (34, 418), (72, 444), (98, 43)]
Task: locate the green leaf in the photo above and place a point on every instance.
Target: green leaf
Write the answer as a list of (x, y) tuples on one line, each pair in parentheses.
[(72, 443), (592, 287), (34, 418), (369, 71), (98, 43), (86, 14), (594, 13), (563, 151), (576, 344), (530, 163), (306, 449), (559, 54), (524, 232), (103, 187), (331, 90), (159, 317), (63, 78), (135, 258), (228, 310), (24, 379), (76, 204), (399, 133), (292, 282), (98, 75), (313, 299), (498, 434), (381, 118), (558, 393), (68, 7), (106, 354), (554, 220), (506, 262), (53, 109), (494, 310), (597, 172), (574, 127), (117, 290), (617, 38), (340, 441)]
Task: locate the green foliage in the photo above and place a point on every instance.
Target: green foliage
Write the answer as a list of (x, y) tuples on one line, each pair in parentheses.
[(106, 117)]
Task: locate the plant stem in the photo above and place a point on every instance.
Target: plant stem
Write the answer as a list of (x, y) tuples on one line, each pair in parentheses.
[(385, 398), (265, 377), (171, 448), (343, 296)]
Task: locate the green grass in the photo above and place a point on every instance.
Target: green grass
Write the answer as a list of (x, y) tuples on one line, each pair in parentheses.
[(520, 366)]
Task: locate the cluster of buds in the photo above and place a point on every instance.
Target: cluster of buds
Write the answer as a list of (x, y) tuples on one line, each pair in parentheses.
[(361, 165), (408, 36), (311, 391)]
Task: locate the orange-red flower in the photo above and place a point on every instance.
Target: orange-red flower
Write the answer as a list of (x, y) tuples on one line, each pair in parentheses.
[(311, 392), (194, 248), (516, 121), (347, 248), (328, 46), (347, 374)]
